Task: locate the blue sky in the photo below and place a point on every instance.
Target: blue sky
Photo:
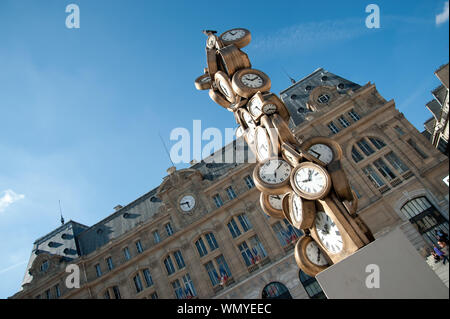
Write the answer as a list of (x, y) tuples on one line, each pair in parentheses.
[(80, 109)]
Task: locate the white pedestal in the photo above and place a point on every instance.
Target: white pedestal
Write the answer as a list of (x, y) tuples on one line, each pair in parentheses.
[(403, 273)]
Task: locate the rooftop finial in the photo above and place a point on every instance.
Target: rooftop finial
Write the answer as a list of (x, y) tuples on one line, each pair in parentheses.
[(60, 211), (291, 79)]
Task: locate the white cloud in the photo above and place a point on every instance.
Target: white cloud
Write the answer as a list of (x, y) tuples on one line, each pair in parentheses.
[(443, 16), (8, 197)]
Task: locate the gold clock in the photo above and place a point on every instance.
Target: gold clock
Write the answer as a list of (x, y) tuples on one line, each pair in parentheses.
[(310, 181), (223, 84), (230, 59), (282, 129), (203, 82), (309, 256), (271, 176), (240, 37), (301, 211), (247, 82), (211, 62), (272, 205), (323, 148)]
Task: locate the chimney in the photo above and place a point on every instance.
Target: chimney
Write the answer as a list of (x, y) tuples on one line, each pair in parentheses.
[(118, 207)]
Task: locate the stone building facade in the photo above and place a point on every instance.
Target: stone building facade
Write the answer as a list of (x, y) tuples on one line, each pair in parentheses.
[(226, 247)]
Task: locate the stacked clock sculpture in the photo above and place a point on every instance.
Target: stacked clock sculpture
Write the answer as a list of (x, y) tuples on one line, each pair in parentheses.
[(302, 181)]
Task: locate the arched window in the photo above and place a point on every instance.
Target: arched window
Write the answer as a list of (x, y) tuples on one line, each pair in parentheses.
[(244, 223), (425, 217), (168, 262), (141, 277), (112, 293), (311, 286), (276, 290)]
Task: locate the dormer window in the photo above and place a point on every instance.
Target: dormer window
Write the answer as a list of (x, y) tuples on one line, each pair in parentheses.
[(323, 98)]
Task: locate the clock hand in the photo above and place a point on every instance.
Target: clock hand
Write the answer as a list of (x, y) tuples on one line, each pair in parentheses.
[(318, 254)]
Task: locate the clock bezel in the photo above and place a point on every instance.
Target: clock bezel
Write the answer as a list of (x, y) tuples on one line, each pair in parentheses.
[(241, 89), (221, 78), (199, 85), (308, 212), (239, 43), (324, 192), (267, 208), (303, 262), (273, 189), (189, 212), (335, 147)]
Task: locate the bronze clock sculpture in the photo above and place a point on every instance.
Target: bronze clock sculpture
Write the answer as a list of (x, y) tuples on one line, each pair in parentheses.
[(302, 181)]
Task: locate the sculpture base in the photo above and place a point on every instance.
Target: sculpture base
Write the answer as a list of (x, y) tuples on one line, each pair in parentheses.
[(403, 273)]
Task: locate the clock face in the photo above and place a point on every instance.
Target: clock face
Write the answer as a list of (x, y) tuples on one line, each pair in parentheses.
[(269, 108), (254, 106), (211, 41), (262, 142), (225, 89), (275, 171), (297, 208), (252, 80), (328, 233), (233, 35), (310, 180), (248, 119), (314, 254), (187, 203), (322, 152), (275, 201)]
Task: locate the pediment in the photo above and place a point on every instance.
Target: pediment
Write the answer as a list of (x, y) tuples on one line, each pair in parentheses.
[(177, 178), (54, 263)]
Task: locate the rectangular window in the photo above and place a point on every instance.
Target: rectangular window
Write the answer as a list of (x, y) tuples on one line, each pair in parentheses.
[(417, 149), (396, 163), (212, 243), (116, 292), (156, 237), (179, 259), (139, 247), (217, 200), (373, 176), (357, 157), (177, 289), (231, 193), (281, 234), (48, 294), (126, 253), (234, 230), (169, 229), (224, 271), (355, 117), (189, 289), (245, 223), (384, 169), (333, 128), (148, 277), (257, 248), (109, 262), (138, 283), (249, 181), (379, 144), (365, 147), (98, 270), (343, 121), (169, 265), (106, 295), (201, 247), (293, 232), (358, 195), (246, 254), (212, 273)]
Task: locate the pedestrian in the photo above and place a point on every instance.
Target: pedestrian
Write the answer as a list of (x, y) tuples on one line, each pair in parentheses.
[(439, 253), (441, 236)]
